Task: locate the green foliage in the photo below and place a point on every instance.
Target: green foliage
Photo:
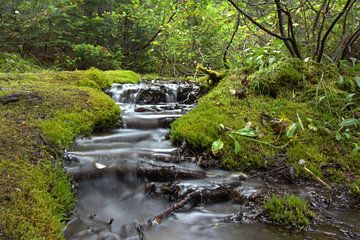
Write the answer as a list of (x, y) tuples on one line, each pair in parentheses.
[(284, 76), (88, 55), (16, 64), (288, 210), (355, 187), (216, 146), (296, 127), (257, 57), (147, 35)]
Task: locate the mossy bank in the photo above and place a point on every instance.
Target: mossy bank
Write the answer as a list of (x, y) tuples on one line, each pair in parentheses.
[(290, 111), (40, 115)]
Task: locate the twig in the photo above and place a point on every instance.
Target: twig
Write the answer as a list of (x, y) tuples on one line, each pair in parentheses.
[(316, 177)]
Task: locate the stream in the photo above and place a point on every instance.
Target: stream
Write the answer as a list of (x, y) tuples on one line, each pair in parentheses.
[(121, 177)]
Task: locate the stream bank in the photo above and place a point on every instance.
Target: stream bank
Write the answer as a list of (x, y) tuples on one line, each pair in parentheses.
[(40, 115)]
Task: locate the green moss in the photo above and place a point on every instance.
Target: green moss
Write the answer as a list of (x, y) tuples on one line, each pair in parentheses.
[(317, 110), (288, 76), (354, 187), (212, 77), (33, 203), (35, 194), (288, 210), (116, 76)]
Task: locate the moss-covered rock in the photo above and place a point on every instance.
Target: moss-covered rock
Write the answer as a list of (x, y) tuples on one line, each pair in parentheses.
[(42, 115), (289, 210)]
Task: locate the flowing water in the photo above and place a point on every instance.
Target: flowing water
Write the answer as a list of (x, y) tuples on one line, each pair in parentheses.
[(114, 197)]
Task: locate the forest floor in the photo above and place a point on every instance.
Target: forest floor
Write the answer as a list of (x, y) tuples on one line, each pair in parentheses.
[(40, 115)]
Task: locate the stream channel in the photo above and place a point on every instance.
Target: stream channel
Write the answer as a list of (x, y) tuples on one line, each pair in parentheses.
[(120, 176)]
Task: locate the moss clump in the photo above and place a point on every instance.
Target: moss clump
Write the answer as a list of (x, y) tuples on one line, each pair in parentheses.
[(288, 210), (288, 76), (212, 77), (354, 187), (53, 109)]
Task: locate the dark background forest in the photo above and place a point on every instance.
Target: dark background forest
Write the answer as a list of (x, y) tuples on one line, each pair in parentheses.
[(174, 36)]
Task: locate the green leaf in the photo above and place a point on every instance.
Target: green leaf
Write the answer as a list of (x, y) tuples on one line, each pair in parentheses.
[(350, 122), (353, 61), (341, 80), (236, 144), (357, 80), (300, 122), (291, 130), (338, 136), (217, 146), (349, 97), (237, 147), (248, 132)]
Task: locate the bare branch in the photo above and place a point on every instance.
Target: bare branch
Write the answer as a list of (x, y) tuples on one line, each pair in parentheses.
[(288, 43), (323, 41), (236, 28), (321, 27), (158, 32), (316, 21), (292, 34), (256, 22)]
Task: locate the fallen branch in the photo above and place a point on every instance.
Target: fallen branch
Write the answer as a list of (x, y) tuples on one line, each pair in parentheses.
[(204, 196), (167, 173)]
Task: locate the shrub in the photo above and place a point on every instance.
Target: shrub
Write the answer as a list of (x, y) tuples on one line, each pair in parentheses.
[(88, 55)]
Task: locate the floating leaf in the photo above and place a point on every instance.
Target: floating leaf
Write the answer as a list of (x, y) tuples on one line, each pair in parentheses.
[(291, 130), (248, 132), (217, 146), (349, 122)]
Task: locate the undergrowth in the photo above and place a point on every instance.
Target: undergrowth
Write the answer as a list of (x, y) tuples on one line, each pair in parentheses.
[(296, 111)]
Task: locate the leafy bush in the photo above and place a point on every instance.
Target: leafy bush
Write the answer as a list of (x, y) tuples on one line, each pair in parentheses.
[(289, 210), (88, 55)]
